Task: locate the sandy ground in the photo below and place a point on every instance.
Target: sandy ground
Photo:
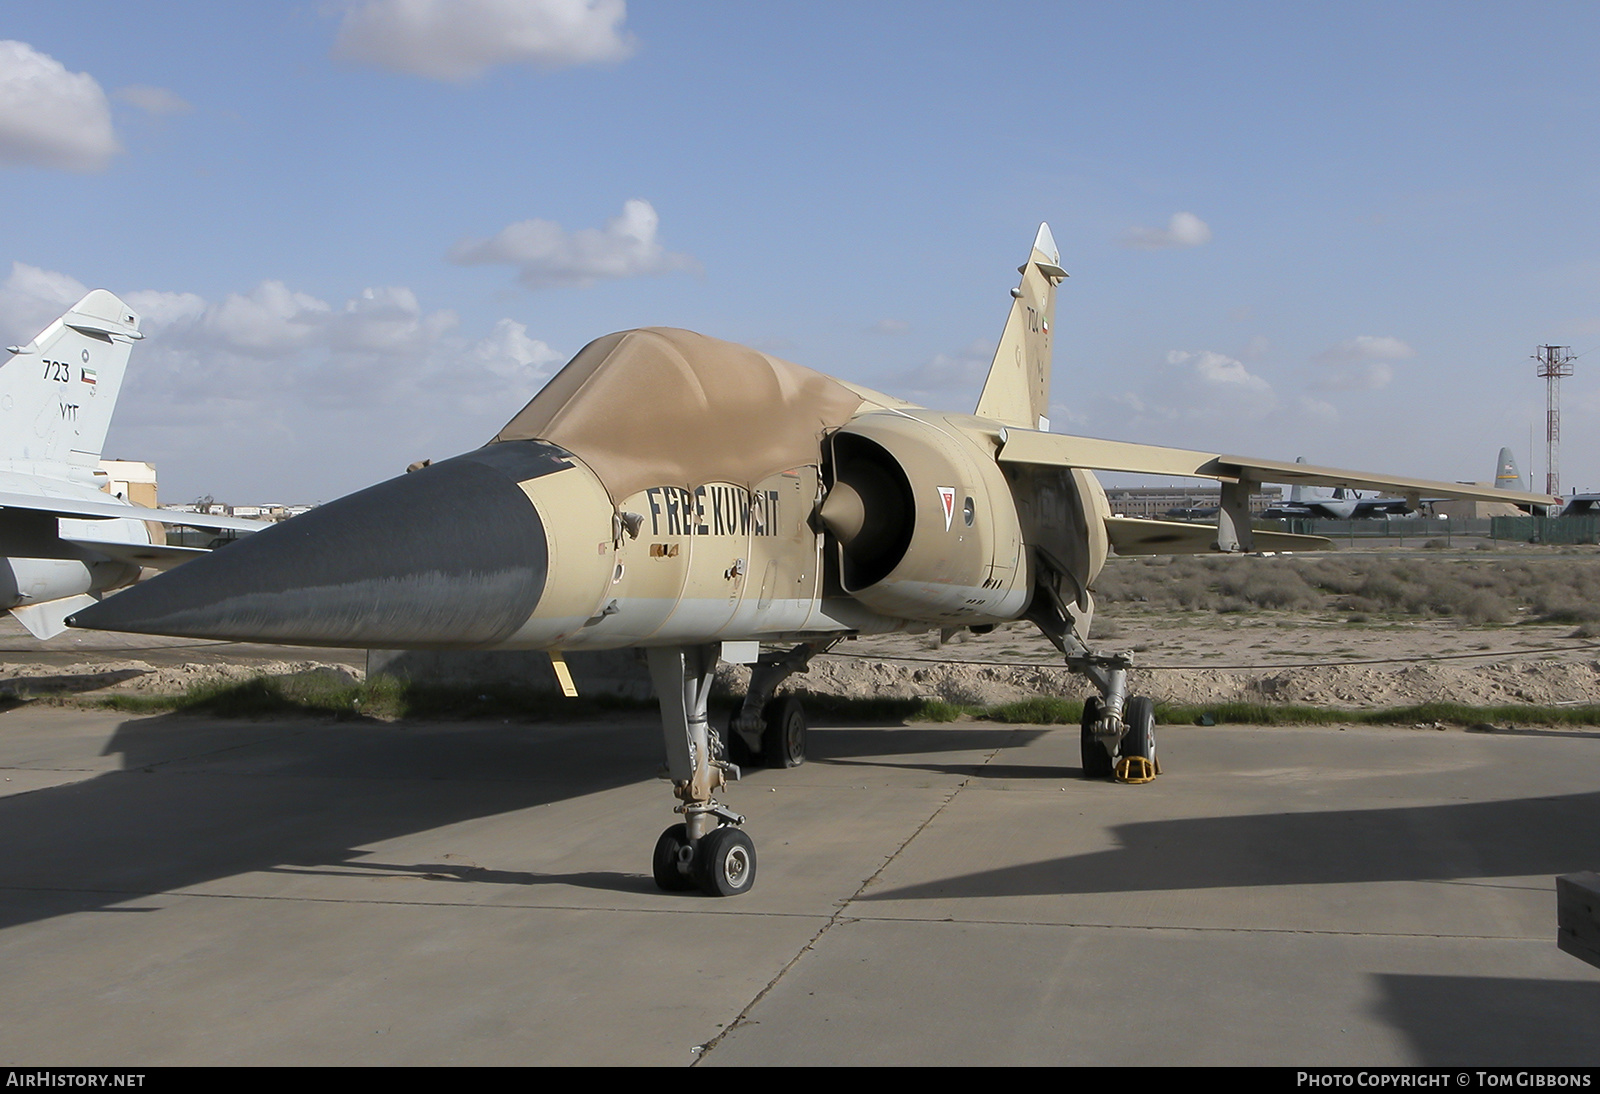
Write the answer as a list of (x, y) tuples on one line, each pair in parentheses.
[(1265, 657), (1180, 657)]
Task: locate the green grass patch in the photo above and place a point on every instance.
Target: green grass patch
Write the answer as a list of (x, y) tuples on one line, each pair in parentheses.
[(1273, 714), (1041, 710)]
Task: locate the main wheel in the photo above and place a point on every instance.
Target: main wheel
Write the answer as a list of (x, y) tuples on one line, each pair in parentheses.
[(1096, 760), (783, 739), (725, 862), (1140, 739), (664, 864), (1137, 753)]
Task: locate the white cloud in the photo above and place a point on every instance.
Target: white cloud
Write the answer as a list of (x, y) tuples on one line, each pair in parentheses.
[(1258, 346), (273, 392), (1063, 415), (153, 100), (158, 310), (890, 326), (968, 366), (463, 39), (1202, 386), (510, 352), (389, 321), (1216, 368), (548, 255), (31, 298), (947, 380), (266, 322), (1183, 230), (518, 366), (1318, 409), (1360, 364), (50, 117)]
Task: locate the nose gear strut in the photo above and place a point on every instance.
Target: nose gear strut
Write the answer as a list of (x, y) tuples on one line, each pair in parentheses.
[(709, 850)]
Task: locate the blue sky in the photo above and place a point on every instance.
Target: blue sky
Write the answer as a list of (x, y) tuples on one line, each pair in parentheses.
[(1336, 231)]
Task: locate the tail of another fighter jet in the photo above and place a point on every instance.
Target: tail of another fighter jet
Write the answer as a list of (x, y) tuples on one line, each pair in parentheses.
[(1017, 391), (58, 391)]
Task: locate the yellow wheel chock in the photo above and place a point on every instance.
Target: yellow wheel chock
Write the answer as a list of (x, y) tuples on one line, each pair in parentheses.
[(1137, 770)]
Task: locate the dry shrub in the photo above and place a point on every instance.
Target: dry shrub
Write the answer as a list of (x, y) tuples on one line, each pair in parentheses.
[(1481, 590), (1481, 606), (1271, 586)]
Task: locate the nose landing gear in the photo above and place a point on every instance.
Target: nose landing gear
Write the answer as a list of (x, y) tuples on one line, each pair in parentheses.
[(709, 851)]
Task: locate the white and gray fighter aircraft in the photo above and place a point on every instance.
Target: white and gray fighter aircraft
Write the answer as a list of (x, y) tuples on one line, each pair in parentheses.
[(701, 499), (63, 538)]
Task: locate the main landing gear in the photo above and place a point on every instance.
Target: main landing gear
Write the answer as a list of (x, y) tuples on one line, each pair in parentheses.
[(766, 731), (709, 851), (1118, 738)]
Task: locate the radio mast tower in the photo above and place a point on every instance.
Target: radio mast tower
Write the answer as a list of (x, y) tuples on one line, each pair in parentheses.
[(1554, 363)]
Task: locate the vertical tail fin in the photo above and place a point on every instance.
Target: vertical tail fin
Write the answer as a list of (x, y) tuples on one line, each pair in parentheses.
[(1506, 475), (58, 391), (1017, 391), (1297, 492)]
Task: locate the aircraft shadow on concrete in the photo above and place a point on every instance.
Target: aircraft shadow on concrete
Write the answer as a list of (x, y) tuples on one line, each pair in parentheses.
[(200, 799), (864, 746), (1493, 1021), (1525, 836), (469, 873), (976, 769), (1535, 731)]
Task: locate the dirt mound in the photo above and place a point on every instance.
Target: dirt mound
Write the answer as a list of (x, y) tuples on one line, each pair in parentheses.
[(141, 677), (1189, 658)]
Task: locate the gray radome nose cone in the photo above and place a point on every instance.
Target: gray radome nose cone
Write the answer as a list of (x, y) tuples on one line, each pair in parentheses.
[(452, 555)]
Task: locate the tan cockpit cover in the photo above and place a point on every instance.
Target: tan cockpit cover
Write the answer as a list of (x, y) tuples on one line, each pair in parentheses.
[(667, 407)]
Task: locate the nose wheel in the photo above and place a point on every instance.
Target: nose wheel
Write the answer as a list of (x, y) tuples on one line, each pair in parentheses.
[(673, 856), (722, 863), (725, 862)]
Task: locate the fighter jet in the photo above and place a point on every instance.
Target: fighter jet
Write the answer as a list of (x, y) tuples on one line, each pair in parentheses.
[(64, 539), (700, 499)]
